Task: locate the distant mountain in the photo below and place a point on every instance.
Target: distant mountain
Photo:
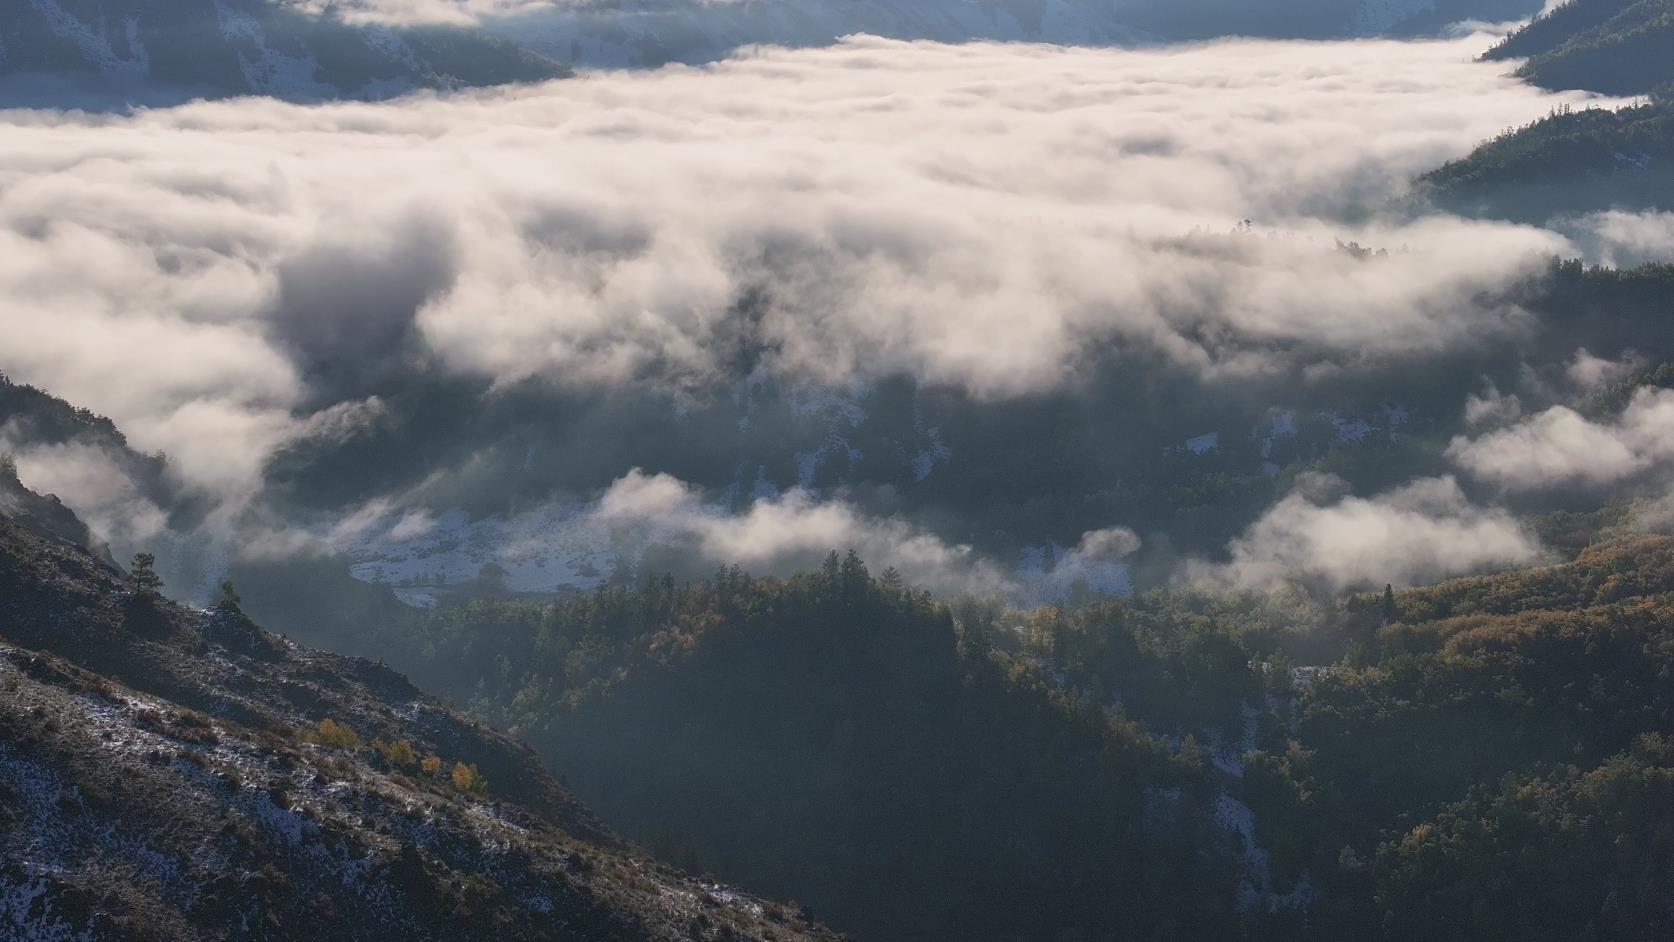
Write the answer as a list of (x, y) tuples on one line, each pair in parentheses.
[(1578, 161), (636, 33), (163, 50), (94, 53), (640, 33), (1617, 47), (1568, 162), (171, 773)]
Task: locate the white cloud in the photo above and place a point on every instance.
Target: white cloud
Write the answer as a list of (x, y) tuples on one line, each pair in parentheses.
[(790, 532), (1590, 372), (982, 215), (1491, 408), (87, 479), (1423, 531), (1560, 447), (1621, 238), (1109, 544)]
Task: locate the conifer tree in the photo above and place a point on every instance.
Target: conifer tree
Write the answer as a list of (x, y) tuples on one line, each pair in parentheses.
[(147, 584)]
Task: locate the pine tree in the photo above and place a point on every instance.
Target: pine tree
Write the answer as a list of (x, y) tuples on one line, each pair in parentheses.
[(146, 583), (1390, 612), (229, 601), (854, 576)]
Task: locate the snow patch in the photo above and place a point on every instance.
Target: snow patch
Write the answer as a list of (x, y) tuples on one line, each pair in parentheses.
[(549, 548), (1351, 430), (834, 405), (733, 899), (26, 914), (1204, 444), (934, 452)]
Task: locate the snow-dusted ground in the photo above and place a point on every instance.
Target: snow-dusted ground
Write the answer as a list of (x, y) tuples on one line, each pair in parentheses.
[(26, 916), (839, 411), (1257, 888), (1346, 429), (1204, 444), (1050, 572), (266, 68), (1281, 426), (550, 548), (934, 453), (1228, 756), (1351, 430)]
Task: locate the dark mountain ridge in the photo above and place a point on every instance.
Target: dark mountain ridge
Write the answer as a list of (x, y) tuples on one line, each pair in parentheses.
[(1615, 47), (84, 52)]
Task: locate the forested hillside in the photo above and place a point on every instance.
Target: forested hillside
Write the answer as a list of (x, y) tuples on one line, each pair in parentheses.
[(1313, 768), (1571, 161), (1480, 704), (839, 739), (1616, 47), (169, 773), (1578, 160)]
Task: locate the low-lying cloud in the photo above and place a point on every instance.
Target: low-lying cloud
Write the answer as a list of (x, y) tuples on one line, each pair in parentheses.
[(90, 481), (1618, 237), (790, 532), (1560, 447), (1419, 532), (646, 524), (983, 216)]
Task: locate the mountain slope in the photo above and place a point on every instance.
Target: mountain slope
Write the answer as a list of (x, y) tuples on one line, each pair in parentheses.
[(1499, 743), (168, 773), (1061, 772), (1568, 162), (641, 33), (112, 486), (836, 739), (170, 49), (1617, 47), (1578, 161)]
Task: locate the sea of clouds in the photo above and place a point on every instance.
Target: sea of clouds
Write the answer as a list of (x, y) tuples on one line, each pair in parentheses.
[(976, 216)]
